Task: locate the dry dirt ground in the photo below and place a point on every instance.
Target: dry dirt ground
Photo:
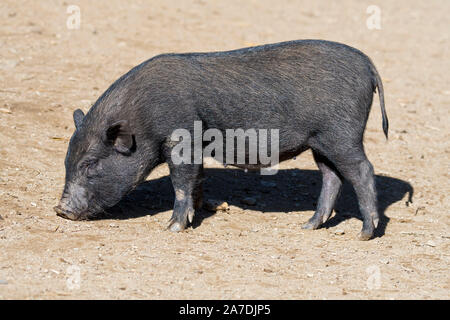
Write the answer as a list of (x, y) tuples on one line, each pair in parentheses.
[(47, 70)]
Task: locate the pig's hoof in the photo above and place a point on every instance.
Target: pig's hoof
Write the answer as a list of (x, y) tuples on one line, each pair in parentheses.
[(175, 226), (364, 236), (311, 225), (375, 218), (375, 222)]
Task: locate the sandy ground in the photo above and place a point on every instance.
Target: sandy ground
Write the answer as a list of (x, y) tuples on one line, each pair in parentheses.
[(260, 251)]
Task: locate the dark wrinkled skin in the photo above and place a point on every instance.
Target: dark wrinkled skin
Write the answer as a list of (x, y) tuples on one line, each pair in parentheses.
[(317, 93)]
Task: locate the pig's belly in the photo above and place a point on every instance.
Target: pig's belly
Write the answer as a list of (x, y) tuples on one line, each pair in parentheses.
[(283, 152)]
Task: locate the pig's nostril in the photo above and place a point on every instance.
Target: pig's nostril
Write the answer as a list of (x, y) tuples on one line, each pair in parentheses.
[(64, 213)]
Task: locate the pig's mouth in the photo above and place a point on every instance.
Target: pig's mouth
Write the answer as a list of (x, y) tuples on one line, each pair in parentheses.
[(66, 214)]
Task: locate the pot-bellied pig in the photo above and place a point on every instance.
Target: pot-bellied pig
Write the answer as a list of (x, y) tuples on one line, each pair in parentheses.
[(317, 95)]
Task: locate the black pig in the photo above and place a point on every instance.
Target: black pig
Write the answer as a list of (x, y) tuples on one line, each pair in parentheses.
[(317, 93)]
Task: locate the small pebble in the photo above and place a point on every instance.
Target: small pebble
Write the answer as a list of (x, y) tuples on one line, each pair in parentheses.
[(431, 243), (339, 232), (216, 205), (5, 110)]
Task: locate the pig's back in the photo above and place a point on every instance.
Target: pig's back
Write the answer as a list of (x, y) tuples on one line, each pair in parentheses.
[(283, 83), (295, 86)]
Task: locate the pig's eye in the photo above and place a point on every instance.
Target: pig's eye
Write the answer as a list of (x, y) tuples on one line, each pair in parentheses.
[(89, 166)]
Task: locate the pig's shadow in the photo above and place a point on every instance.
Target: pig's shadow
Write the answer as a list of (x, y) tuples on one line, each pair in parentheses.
[(288, 190)]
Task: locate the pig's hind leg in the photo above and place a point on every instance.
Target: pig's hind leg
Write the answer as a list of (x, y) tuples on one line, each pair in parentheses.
[(360, 173), (352, 163), (186, 181), (331, 184)]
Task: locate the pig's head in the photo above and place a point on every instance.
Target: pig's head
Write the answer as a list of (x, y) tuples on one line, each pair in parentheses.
[(102, 166)]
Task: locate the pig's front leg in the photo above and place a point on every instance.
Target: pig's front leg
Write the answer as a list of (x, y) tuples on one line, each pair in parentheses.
[(186, 181)]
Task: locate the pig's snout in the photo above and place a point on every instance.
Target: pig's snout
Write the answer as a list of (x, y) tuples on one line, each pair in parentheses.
[(63, 213), (73, 204)]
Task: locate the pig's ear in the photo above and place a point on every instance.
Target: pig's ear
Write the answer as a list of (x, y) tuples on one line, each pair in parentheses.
[(78, 117), (120, 136)]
